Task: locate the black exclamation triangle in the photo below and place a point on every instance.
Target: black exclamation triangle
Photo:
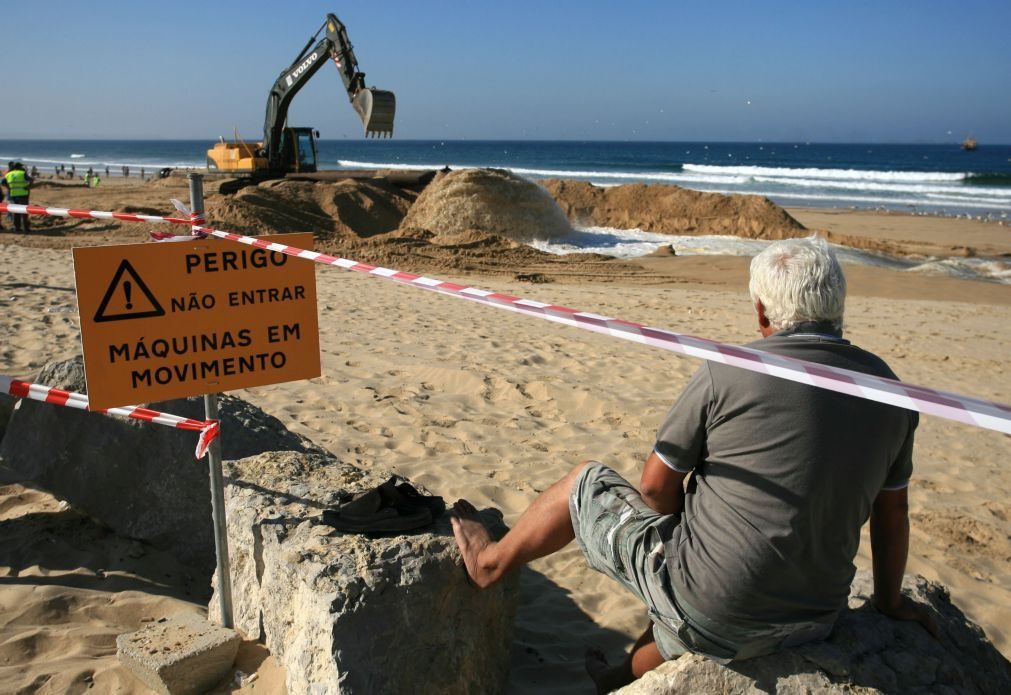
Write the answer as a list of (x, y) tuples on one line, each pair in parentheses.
[(126, 276)]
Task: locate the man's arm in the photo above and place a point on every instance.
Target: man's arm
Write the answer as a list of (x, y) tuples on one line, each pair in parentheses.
[(889, 548), (662, 487)]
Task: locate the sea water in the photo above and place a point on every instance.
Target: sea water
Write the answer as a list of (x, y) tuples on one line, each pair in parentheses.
[(936, 179)]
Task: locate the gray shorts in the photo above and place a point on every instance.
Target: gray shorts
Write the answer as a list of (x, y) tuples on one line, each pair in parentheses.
[(623, 538)]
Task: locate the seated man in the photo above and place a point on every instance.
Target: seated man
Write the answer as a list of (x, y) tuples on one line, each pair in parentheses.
[(758, 553)]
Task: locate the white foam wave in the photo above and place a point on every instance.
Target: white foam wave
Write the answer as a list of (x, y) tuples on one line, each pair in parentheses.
[(351, 164), (967, 269), (848, 174), (620, 243), (672, 177), (629, 243), (872, 200), (77, 156), (893, 187), (153, 166)]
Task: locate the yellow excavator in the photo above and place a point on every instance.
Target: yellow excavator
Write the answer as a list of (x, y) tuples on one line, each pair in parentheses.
[(287, 150)]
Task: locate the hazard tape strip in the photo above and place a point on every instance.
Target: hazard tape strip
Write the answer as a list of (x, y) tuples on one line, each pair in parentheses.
[(88, 214), (208, 429), (972, 411), (965, 409)]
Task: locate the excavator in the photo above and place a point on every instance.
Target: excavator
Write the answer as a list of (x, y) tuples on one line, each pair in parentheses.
[(287, 150)]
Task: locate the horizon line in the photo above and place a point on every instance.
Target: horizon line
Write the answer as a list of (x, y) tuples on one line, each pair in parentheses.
[(546, 140)]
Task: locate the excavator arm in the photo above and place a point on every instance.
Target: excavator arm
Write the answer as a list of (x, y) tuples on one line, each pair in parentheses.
[(375, 107)]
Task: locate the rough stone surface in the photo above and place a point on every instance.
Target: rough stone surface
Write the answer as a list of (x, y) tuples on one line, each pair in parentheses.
[(667, 209), (493, 201), (7, 404), (866, 653), (181, 655), (349, 614), (140, 479)]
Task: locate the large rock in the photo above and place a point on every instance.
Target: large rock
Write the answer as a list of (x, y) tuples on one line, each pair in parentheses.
[(492, 201), (181, 655), (866, 653), (138, 478), (7, 404), (667, 209), (348, 614)]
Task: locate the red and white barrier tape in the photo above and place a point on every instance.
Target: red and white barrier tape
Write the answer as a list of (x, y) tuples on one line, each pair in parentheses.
[(88, 214), (972, 411), (208, 429)]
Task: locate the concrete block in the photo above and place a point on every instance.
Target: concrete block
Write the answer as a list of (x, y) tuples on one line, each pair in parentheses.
[(182, 655)]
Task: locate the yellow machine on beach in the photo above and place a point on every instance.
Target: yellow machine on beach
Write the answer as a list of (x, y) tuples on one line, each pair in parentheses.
[(287, 150)]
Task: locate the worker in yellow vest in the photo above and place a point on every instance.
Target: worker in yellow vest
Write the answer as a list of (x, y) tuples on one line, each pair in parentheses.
[(18, 183)]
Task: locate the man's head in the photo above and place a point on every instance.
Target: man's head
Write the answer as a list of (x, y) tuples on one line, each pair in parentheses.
[(797, 280)]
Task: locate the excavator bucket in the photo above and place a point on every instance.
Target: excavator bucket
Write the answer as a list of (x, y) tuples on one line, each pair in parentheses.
[(376, 108)]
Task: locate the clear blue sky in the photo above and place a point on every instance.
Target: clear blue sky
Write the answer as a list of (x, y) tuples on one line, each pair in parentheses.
[(853, 71)]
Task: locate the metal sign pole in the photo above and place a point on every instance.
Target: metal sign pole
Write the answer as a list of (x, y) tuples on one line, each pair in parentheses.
[(214, 460)]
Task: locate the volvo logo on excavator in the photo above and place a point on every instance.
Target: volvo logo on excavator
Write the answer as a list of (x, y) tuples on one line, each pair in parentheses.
[(302, 68)]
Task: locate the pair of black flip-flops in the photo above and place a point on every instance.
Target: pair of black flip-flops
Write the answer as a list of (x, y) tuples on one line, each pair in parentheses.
[(393, 507)]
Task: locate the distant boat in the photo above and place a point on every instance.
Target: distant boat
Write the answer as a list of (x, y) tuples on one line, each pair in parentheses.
[(969, 144)]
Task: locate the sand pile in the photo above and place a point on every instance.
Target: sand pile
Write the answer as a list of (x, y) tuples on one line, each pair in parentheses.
[(348, 208), (493, 201), (665, 209)]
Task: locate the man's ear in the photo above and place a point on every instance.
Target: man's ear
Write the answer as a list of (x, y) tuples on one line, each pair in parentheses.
[(764, 324)]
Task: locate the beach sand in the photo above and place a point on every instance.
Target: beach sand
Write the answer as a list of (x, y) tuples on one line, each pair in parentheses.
[(479, 403)]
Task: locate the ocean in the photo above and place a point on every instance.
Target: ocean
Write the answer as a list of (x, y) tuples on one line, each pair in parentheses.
[(927, 179), (917, 179)]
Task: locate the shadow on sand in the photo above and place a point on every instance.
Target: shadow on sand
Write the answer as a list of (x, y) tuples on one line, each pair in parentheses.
[(551, 636), (67, 548)]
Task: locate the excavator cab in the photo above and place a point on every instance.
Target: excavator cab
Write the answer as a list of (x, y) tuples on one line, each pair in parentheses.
[(299, 149), (376, 108)]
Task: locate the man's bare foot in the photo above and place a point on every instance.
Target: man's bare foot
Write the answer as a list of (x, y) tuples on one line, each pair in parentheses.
[(606, 677), (473, 539)]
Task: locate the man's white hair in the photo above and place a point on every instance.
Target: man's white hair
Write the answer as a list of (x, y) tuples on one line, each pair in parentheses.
[(799, 280)]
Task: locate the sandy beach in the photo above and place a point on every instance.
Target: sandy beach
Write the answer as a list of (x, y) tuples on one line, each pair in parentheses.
[(474, 402)]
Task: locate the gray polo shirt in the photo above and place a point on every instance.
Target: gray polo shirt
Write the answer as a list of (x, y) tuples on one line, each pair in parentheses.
[(783, 477)]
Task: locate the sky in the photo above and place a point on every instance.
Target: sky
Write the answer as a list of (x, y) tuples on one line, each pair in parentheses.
[(853, 71)]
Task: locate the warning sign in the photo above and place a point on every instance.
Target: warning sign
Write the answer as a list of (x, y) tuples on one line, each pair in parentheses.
[(127, 298), (162, 321)]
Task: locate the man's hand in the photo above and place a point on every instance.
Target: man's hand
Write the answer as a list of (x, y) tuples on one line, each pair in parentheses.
[(889, 547), (908, 609)]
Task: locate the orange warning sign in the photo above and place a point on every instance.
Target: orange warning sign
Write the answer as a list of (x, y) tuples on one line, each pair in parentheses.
[(185, 318)]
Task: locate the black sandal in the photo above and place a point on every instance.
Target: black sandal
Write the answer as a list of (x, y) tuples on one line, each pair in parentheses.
[(388, 508)]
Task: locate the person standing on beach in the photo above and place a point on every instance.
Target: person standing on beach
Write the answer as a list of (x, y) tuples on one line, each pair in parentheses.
[(18, 182), (3, 193), (756, 555)]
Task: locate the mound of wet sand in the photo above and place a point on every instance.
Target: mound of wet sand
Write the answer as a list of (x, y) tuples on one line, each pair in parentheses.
[(345, 209), (493, 201), (666, 209)]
